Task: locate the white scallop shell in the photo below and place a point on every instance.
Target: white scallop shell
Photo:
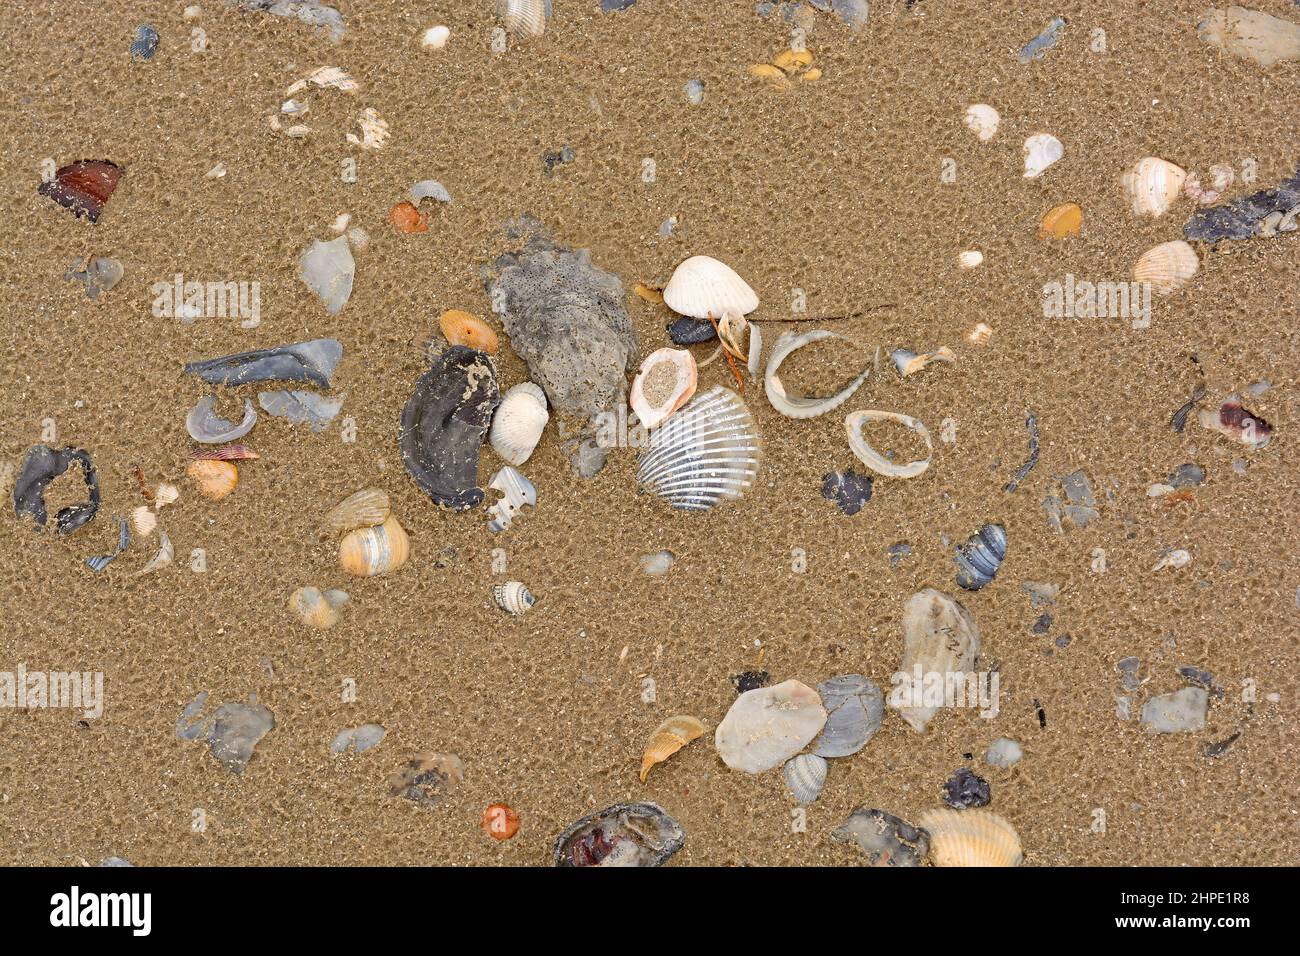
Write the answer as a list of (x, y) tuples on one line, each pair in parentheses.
[(872, 458), (803, 406), (940, 637), (1041, 150), (982, 120), (1153, 184), (206, 426), (972, 837), (518, 423), (513, 597), (707, 453), (805, 775), (702, 286), (144, 520), (970, 259), (681, 364), (1167, 266), (524, 17)]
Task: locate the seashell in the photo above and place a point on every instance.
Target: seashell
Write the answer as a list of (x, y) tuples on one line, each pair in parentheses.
[(1061, 221), (1041, 150), (435, 38), (228, 453), (1251, 34), (971, 838), (316, 608), (41, 465), (909, 363), (705, 454), (970, 259), (980, 557), (872, 458), (205, 426), (982, 120), (886, 839), (1177, 558), (805, 775), (665, 383), (791, 61), (1167, 266), (358, 739), (517, 491), (855, 708), (215, 479), (941, 645), (301, 407), (296, 108), (327, 268), (100, 562), (1152, 185), (702, 287), (366, 552), (165, 494), (848, 489), (428, 778), (980, 334), (811, 76), (429, 189), (657, 564), (524, 18), (500, 821), (518, 423), (1231, 418), (166, 553), (365, 509), (691, 331), (513, 597), (648, 293), (461, 328), (742, 339), (803, 406), (84, 186), (768, 725), (770, 75), (327, 77), (313, 362), (626, 834), (144, 521), (1222, 177), (669, 737), (406, 218), (1037, 48), (374, 130), (98, 274)]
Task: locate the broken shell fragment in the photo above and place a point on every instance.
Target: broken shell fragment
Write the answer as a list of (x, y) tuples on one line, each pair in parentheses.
[(770, 75), (84, 186), (768, 725), (316, 608), (980, 557), (855, 708), (872, 458), (1041, 150), (982, 120), (366, 552), (405, 217), (100, 562), (365, 509), (144, 520), (803, 406), (1152, 185), (166, 553), (435, 38), (98, 274), (805, 776), (312, 362), (462, 328), (1168, 266), (516, 491), (1231, 418), (228, 453), (301, 407), (1177, 558), (499, 821), (208, 428), (41, 465), (702, 287), (980, 334), (429, 189), (792, 61), (971, 838), (513, 597), (374, 130), (518, 423), (1251, 34), (886, 839), (940, 637), (909, 363), (665, 383), (669, 737), (327, 268), (626, 834), (524, 18), (215, 479), (1061, 221)]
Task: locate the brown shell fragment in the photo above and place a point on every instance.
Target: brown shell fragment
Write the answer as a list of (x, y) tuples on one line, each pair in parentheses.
[(225, 453), (83, 186), (669, 737)]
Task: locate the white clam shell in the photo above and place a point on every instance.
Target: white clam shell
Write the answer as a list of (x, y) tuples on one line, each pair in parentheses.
[(803, 406), (982, 120), (702, 287), (654, 397), (974, 837), (707, 453), (970, 259), (768, 725), (1167, 266), (872, 458), (1152, 185), (525, 18), (518, 423), (1041, 150), (513, 597), (206, 426), (805, 775), (940, 637), (516, 491)]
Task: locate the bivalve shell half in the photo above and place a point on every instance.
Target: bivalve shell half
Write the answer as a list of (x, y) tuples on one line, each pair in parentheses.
[(702, 287), (365, 509), (980, 557), (982, 120), (524, 18), (665, 383), (317, 608), (518, 423), (805, 775), (803, 406), (513, 597), (626, 834), (971, 838), (941, 646), (1061, 222), (215, 479), (1041, 150), (669, 737), (872, 458), (1168, 266), (366, 552), (207, 427), (1152, 185), (461, 328), (144, 520), (768, 725), (705, 454)]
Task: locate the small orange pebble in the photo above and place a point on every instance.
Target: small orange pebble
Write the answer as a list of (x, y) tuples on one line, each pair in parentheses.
[(648, 293), (461, 328), (407, 218), (500, 822), (812, 75), (1061, 221)]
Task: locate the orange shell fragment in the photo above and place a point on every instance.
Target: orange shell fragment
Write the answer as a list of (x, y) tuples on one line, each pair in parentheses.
[(669, 737), (1061, 221), (500, 821), (407, 218), (461, 328)]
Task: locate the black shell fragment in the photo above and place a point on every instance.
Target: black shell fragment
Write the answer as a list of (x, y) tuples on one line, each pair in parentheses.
[(965, 790), (848, 489), (691, 331), (1243, 218), (312, 362), (626, 834), (41, 465), (979, 558)]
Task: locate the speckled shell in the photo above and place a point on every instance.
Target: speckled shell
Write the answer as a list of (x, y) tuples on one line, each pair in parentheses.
[(939, 636), (518, 423), (215, 479), (702, 286), (805, 775), (365, 509), (971, 838), (1167, 266), (1152, 185), (366, 552), (705, 454), (982, 120), (513, 597), (669, 737)]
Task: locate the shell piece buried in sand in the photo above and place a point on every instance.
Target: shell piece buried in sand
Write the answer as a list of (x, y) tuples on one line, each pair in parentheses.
[(301, 407), (429, 189), (1168, 266), (702, 287), (1231, 418), (365, 509), (971, 838), (317, 608), (1251, 34), (1061, 222), (872, 458), (516, 491), (524, 18), (941, 647), (513, 597), (369, 551), (518, 423), (805, 776), (705, 454), (626, 834), (665, 383), (803, 406), (909, 363), (164, 556), (435, 38), (313, 362), (327, 268), (98, 274), (982, 120), (461, 328), (1152, 185), (83, 186), (669, 737), (1041, 150), (980, 557), (768, 725), (208, 428), (215, 479), (886, 839)]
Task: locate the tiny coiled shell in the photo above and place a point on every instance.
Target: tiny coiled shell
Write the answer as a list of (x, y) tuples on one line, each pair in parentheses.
[(144, 520), (940, 637), (1041, 150), (971, 838), (366, 552), (525, 18), (513, 597), (215, 479), (805, 775), (1152, 185), (982, 120), (705, 454), (872, 458), (317, 608), (1167, 266), (980, 557), (365, 509), (206, 426), (518, 423), (702, 287), (166, 553), (664, 384), (669, 737), (803, 406)]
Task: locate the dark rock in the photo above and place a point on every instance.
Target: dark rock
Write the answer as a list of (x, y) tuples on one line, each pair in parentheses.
[(1043, 624), (965, 790), (848, 489)]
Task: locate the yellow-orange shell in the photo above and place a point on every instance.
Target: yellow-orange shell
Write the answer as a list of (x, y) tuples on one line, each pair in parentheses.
[(1061, 221), (669, 737), (370, 551), (461, 328), (215, 479), (971, 838)]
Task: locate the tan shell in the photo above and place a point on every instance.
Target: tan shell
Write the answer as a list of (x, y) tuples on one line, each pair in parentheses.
[(1167, 266), (669, 737), (971, 838), (665, 383), (316, 608), (1152, 185), (980, 334), (365, 509), (524, 18), (215, 479), (702, 287), (370, 551), (940, 637), (143, 520)]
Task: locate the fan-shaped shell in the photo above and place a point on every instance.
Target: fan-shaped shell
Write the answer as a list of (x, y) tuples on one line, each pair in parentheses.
[(215, 479), (518, 423), (1041, 150), (669, 737), (705, 454), (206, 426), (872, 458), (940, 637), (702, 287), (365, 509), (1061, 221), (803, 406), (513, 597), (805, 775), (980, 557), (144, 520), (665, 383), (1167, 266), (982, 120), (366, 552), (461, 328), (316, 608), (1152, 185), (526, 18), (971, 838)]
